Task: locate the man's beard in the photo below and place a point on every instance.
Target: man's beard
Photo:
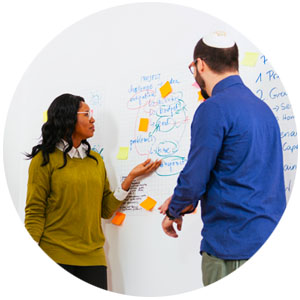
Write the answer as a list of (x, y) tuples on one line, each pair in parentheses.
[(201, 83)]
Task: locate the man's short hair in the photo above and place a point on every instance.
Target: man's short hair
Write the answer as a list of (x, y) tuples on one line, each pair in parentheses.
[(219, 60)]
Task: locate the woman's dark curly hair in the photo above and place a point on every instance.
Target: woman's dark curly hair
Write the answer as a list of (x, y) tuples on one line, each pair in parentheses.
[(62, 118)]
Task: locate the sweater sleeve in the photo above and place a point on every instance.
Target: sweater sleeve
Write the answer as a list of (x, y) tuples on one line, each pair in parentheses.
[(207, 132), (109, 202), (38, 190)]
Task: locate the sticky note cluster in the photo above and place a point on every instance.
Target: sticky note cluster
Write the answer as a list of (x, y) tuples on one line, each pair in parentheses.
[(250, 59), (118, 218), (148, 204), (166, 89)]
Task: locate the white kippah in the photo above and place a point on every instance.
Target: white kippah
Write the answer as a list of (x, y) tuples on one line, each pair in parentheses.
[(218, 39)]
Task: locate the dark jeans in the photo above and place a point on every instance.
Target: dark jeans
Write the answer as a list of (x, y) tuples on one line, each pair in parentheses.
[(95, 275)]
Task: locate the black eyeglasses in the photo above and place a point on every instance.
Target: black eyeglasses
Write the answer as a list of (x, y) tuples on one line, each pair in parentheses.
[(192, 66)]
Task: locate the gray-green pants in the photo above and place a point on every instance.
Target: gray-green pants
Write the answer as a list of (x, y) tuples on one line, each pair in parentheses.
[(214, 268)]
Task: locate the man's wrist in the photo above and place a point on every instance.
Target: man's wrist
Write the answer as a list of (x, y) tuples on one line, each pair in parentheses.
[(169, 216)]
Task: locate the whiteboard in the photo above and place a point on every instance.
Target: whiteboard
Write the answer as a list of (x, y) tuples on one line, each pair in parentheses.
[(117, 60)]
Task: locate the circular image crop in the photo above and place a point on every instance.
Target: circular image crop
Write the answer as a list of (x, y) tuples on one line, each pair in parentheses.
[(158, 149)]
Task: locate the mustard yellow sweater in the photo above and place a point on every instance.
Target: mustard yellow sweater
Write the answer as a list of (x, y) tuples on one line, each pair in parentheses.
[(64, 208)]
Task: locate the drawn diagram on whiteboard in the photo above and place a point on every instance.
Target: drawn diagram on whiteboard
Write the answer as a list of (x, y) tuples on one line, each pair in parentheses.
[(160, 124), (162, 113)]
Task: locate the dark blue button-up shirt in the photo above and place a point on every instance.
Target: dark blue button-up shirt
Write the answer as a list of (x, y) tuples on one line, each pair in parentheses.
[(235, 167)]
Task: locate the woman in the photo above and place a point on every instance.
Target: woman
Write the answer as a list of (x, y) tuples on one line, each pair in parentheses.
[(68, 191)]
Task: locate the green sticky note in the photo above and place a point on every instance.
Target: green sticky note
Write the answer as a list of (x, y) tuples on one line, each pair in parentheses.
[(123, 153), (250, 59)]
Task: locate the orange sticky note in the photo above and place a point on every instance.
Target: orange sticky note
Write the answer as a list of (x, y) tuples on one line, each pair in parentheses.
[(166, 89), (144, 123), (118, 218), (200, 97), (148, 204)]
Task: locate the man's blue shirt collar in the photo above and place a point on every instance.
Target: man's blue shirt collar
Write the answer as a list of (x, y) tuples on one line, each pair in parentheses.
[(225, 83)]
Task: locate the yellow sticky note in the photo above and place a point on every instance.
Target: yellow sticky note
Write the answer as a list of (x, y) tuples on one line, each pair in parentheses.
[(118, 218), (200, 97), (45, 116), (166, 89), (123, 153), (148, 204), (250, 59), (144, 123)]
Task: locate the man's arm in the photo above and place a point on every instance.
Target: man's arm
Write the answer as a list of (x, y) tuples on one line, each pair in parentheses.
[(207, 133), (164, 207)]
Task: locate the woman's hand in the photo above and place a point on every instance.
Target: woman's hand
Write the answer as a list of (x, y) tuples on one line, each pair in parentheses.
[(164, 207), (144, 168)]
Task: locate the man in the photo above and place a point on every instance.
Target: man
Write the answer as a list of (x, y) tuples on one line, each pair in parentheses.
[(234, 167)]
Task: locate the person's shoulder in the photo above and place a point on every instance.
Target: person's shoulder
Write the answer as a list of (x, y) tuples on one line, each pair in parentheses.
[(217, 100), (37, 161), (97, 155), (54, 157), (38, 158), (100, 165), (208, 112), (211, 104)]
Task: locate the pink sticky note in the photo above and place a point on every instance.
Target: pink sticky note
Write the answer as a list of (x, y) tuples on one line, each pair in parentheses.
[(195, 84)]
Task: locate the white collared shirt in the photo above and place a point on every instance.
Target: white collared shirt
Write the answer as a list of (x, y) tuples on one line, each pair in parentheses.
[(80, 152)]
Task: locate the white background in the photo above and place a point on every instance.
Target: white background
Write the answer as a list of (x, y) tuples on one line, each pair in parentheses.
[(26, 28)]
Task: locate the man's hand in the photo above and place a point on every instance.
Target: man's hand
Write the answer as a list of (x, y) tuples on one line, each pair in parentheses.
[(168, 228), (164, 207)]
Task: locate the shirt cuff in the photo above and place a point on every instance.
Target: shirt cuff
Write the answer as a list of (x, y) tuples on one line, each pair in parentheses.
[(120, 194), (175, 210)]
